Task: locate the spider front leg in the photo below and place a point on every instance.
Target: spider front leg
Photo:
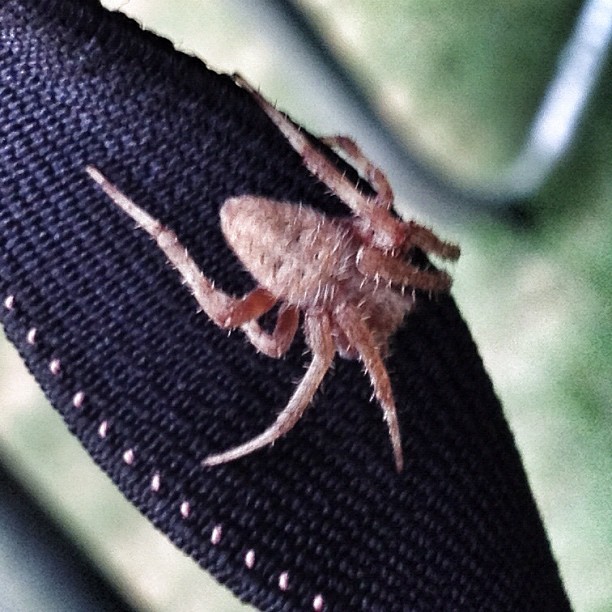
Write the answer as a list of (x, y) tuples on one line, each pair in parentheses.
[(377, 264), (413, 234), (427, 241), (380, 226), (361, 338), (375, 176), (319, 339), (222, 309)]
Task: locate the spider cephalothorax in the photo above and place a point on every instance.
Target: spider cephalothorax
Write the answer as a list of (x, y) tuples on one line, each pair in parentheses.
[(350, 276)]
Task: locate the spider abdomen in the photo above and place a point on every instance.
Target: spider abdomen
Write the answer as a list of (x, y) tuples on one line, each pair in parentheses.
[(295, 252)]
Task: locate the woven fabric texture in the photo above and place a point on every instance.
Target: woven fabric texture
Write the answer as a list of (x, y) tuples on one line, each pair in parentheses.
[(151, 387)]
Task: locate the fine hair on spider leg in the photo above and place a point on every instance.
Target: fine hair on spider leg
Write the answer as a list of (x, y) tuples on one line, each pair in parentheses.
[(350, 277)]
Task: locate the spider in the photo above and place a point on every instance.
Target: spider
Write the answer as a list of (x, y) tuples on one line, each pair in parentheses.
[(349, 276)]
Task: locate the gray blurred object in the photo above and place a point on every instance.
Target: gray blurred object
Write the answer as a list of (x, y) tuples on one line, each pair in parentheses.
[(551, 132), (579, 67)]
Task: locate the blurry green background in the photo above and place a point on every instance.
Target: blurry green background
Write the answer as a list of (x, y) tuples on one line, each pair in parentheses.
[(459, 82)]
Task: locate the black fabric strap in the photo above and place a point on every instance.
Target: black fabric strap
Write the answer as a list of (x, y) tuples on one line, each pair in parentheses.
[(151, 387)]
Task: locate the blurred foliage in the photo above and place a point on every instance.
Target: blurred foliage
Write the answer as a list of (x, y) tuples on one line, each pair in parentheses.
[(459, 80)]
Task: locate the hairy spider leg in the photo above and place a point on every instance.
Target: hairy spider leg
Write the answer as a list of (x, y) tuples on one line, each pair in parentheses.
[(224, 310), (374, 263), (417, 235), (425, 239), (388, 231), (278, 342), (361, 338), (319, 339), (376, 177)]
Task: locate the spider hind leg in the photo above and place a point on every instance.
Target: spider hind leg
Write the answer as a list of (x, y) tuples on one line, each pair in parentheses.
[(226, 311), (361, 337), (319, 339)]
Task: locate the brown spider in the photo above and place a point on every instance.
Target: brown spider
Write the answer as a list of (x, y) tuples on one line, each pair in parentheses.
[(347, 275)]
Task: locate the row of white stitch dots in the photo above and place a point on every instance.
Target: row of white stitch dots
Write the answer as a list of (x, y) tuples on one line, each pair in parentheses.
[(129, 456), (215, 539), (55, 365)]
